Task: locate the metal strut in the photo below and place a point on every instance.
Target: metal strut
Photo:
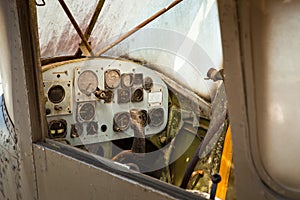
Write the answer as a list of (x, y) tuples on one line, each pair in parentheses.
[(40, 4), (144, 23), (76, 26), (92, 23)]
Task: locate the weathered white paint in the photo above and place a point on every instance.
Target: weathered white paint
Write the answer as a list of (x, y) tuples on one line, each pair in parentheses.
[(277, 84), (5, 61), (19, 181)]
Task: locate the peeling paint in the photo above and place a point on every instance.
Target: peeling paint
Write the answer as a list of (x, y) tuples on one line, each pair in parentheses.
[(10, 179)]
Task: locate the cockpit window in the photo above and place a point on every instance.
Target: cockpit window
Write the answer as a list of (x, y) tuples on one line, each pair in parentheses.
[(145, 97)]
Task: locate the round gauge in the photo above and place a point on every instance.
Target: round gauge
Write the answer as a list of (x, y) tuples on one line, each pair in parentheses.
[(148, 83), (121, 121), (137, 95), (87, 82), (112, 78), (57, 128), (92, 128), (144, 118), (86, 112), (123, 95), (76, 130), (56, 94), (127, 80), (156, 117)]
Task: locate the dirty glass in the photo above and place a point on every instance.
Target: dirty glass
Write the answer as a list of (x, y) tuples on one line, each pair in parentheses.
[(144, 101)]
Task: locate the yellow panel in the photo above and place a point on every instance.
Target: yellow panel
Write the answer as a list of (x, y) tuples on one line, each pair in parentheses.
[(225, 166)]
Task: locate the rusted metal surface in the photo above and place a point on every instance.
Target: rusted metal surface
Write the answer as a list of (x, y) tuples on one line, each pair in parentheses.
[(11, 175), (20, 77), (92, 23), (56, 33), (217, 127), (7, 134), (9, 168), (75, 25)]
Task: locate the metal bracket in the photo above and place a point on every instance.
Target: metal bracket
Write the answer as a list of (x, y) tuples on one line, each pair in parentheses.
[(40, 4)]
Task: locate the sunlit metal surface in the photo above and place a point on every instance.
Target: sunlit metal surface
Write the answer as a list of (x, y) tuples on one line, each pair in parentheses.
[(276, 92), (260, 40)]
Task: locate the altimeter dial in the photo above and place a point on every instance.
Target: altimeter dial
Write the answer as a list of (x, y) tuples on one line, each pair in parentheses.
[(112, 78), (87, 82)]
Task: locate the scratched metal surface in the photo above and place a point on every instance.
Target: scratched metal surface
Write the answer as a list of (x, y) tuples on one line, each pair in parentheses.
[(9, 168), (17, 180)]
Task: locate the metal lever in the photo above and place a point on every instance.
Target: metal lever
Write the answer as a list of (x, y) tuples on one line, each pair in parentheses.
[(215, 178), (105, 95), (215, 75), (40, 4), (138, 121)]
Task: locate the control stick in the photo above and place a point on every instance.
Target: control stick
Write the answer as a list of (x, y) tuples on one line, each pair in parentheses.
[(215, 178), (138, 122)]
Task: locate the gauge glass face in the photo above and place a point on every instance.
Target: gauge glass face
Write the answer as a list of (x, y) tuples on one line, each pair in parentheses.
[(112, 79), (56, 94), (57, 128), (121, 121), (156, 116), (76, 130), (123, 95), (127, 80), (148, 83), (92, 128), (137, 95), (86, 112), (87, 82)]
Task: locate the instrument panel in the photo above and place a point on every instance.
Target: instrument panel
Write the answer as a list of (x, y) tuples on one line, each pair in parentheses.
[(89, 100)]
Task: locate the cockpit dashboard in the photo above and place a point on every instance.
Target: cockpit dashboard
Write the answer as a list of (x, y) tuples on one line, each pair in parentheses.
[(89, 100)]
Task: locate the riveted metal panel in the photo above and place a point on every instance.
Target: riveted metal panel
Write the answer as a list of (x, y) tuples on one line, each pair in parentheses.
[(20, 119)]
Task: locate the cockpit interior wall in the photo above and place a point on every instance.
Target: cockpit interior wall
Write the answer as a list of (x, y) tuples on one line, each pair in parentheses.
[(6, 38), (17, 180), (190, 22)]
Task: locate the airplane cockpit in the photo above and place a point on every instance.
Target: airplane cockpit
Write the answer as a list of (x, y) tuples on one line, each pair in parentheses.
[(131, 99), (129, 88)]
